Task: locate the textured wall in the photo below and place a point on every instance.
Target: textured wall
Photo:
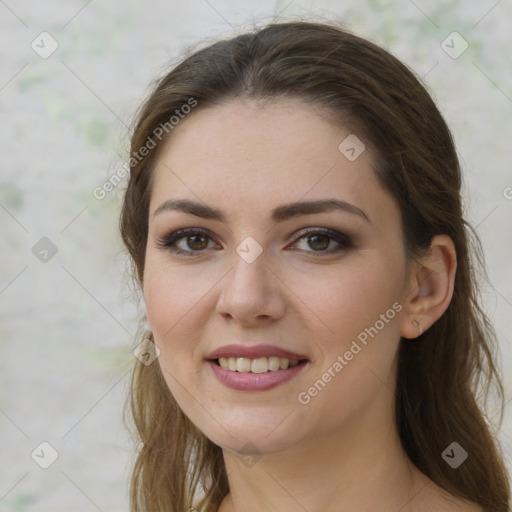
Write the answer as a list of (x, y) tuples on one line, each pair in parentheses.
[(66, 98)]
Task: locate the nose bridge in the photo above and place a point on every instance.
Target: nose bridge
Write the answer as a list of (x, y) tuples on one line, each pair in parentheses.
[(251, 289), (250, 274), (251, 259)]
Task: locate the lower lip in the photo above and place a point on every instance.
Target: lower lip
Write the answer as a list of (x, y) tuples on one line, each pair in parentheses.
[(254, 381)]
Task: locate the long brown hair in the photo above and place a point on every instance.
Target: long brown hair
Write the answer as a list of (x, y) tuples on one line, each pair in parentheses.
[(445, 376)]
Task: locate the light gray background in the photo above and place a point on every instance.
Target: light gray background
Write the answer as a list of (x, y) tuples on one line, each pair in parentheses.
[(67, 323)]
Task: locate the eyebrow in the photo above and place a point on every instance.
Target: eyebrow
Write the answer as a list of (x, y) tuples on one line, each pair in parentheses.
[(278, 214)]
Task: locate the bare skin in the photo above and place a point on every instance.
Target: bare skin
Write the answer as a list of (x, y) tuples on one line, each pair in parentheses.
[(431, 497), (336, 449)]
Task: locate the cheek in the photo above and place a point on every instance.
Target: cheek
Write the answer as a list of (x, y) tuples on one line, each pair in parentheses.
[(172, 296), (330, 306), (349, 299), (360, 309), (357, 352), (178, 303)]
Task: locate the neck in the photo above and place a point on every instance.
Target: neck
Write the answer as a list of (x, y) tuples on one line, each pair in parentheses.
[(357, 469)]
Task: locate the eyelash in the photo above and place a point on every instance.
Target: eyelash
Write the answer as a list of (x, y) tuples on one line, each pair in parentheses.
[(168, 242)]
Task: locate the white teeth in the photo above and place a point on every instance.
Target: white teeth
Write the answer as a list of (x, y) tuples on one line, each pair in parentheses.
[(273, 363), (243, 364), (258, 365)]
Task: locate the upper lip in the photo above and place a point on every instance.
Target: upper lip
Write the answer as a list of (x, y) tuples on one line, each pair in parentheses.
[(253, 352)]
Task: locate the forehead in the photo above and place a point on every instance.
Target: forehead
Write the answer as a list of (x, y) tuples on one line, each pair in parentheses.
[(260, 154)]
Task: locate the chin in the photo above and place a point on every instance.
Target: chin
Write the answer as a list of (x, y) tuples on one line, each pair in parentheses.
[(255, 433), (255, 445)]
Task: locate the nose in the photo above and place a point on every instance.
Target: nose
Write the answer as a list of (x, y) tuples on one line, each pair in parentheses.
[(251, 293)]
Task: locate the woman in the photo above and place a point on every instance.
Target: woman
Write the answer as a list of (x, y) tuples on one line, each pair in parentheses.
[(294, 219)]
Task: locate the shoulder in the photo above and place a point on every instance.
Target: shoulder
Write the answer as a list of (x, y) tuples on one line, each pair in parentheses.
[(429, 496), (436, 498), (464, 506)]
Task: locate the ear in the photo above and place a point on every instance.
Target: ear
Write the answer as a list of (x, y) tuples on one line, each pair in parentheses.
[(431, 281)]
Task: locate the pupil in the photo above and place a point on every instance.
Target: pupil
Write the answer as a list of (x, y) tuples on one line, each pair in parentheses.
[(194, 240), (317, 242), (321, 245)]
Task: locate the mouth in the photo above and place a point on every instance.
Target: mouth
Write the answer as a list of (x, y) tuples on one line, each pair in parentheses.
[(245, 367), (257, 365)]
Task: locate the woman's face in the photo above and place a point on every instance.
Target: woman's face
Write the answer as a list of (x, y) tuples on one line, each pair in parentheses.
[(322, 285)]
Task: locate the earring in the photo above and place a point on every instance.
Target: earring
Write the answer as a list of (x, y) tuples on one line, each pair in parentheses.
[(419, 326)]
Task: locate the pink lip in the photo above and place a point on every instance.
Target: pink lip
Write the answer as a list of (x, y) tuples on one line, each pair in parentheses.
[(254, 381), (254, 352)]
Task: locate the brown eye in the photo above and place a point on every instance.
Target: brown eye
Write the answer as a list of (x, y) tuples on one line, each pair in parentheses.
[(187, 241), (319, 240), (197, 242)]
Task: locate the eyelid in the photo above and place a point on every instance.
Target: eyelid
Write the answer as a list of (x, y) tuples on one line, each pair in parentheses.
[(345, 241), (342, 239), (170, 239)]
